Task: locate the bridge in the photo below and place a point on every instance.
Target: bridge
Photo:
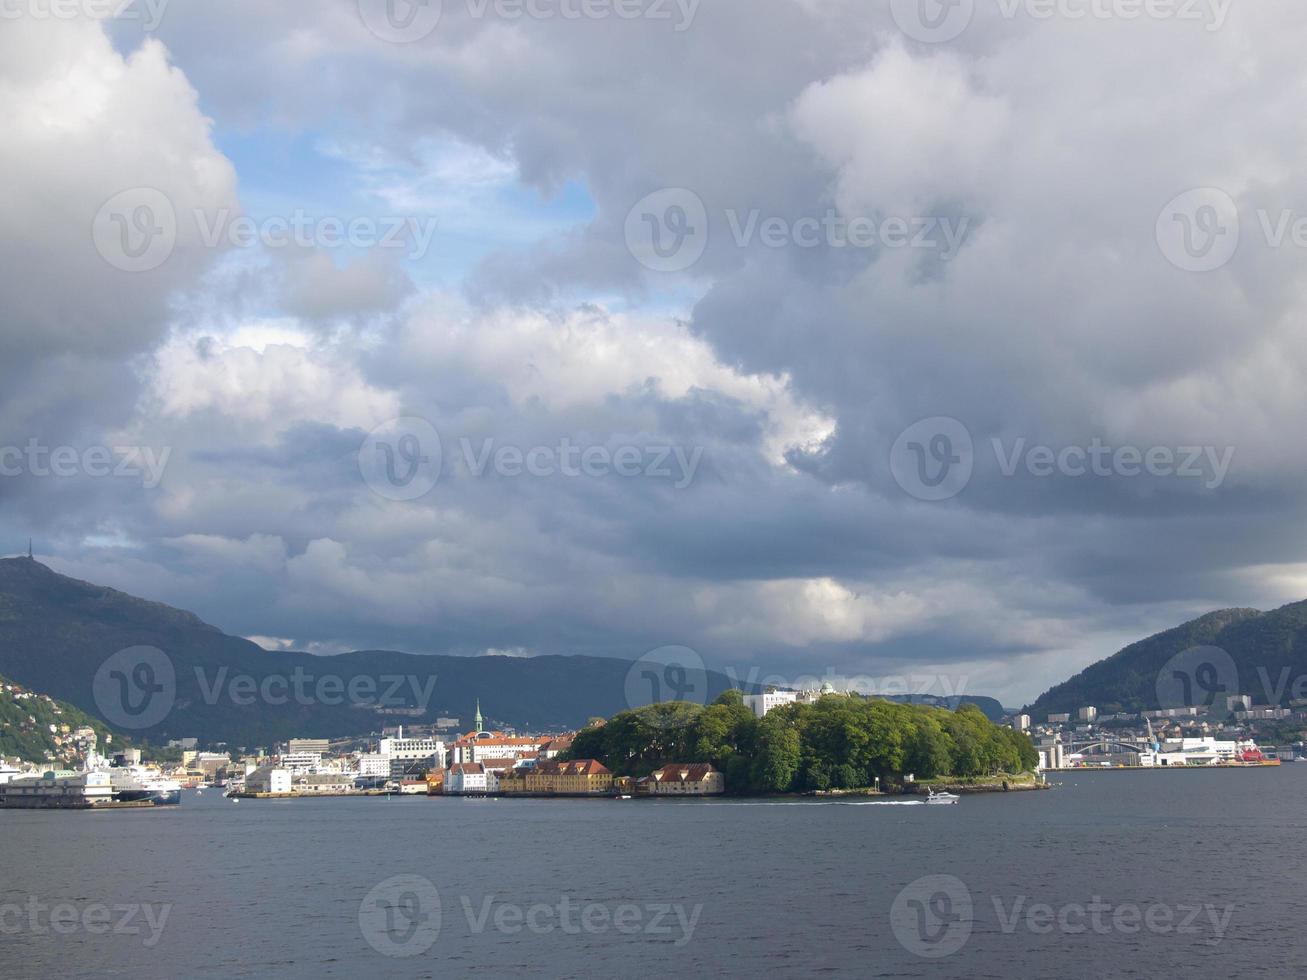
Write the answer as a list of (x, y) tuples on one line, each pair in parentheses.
[(1106, 744)]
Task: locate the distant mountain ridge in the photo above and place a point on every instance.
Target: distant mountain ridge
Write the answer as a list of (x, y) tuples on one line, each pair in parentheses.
[(1267, 653), (56, 634), (63, 637)]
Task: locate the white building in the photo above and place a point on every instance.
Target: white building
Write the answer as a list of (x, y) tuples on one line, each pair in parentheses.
[(268, 779), (1206, 751), (1190, 712), (407, 755), (1059, 719), (9, 771), (1052, 756), (467, 777), (483, 746), (322, 784), (301, 762), (319, 745), (762, 703), (772, 697), (1021, 723), (374, 764), (1263, 714), (1089, 714), (694, 779)]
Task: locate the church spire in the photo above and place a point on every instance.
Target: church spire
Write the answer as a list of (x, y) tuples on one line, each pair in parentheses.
[(476, 723)]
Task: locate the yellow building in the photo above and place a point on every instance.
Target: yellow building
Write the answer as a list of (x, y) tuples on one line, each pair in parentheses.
[(579, 777), (687, 779)]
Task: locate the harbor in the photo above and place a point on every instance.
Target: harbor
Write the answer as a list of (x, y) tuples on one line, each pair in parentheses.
[(99, 784)]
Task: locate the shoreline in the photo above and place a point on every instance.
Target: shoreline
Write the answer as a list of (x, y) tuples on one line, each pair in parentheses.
[(1200, 768), (1009, 784)]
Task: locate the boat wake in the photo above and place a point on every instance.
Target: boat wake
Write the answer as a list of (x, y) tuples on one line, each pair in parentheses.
[(819, 803)]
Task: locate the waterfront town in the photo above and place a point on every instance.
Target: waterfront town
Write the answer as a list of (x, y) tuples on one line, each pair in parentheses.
[(1229, 732), (437, 760), (404, 760)]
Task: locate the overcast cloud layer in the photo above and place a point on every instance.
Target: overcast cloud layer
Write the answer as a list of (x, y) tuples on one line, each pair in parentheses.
[(836, 338)]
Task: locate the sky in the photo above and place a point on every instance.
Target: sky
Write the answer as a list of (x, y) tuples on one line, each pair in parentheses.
[(949, 344)]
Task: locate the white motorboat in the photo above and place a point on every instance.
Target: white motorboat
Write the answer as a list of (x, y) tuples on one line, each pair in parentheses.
[(941, 798)]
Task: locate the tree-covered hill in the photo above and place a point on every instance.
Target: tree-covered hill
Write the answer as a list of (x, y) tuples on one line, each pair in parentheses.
[(37, 728), (1267, 653), (840, 742)]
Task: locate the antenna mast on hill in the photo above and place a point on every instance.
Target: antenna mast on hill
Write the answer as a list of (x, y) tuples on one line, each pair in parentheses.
[(29, 547)]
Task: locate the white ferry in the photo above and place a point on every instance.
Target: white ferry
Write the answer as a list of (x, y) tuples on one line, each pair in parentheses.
[(96, 785), (136, 783), (58, 789)]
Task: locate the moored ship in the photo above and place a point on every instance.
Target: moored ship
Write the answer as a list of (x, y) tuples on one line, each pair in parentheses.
[(1251, 755), (137, 784), (97, 786), (58, 790)]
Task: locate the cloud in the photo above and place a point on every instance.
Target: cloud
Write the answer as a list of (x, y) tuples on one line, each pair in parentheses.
[(1058, 321), (83, 125)]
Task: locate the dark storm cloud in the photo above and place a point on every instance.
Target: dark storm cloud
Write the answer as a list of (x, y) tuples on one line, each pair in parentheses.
[(1056, 325)]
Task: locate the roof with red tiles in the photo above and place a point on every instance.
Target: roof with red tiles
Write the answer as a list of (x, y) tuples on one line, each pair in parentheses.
[(688, 772), (573, 767)]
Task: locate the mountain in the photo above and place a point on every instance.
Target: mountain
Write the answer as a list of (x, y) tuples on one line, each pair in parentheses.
[(81, 643), (155, 672), (35, 727), (1264, 654)]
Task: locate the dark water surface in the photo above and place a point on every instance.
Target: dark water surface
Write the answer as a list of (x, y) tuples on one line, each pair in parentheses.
[(1194, 874)]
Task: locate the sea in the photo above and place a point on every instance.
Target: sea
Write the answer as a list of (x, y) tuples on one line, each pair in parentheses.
[(1109, 874)]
